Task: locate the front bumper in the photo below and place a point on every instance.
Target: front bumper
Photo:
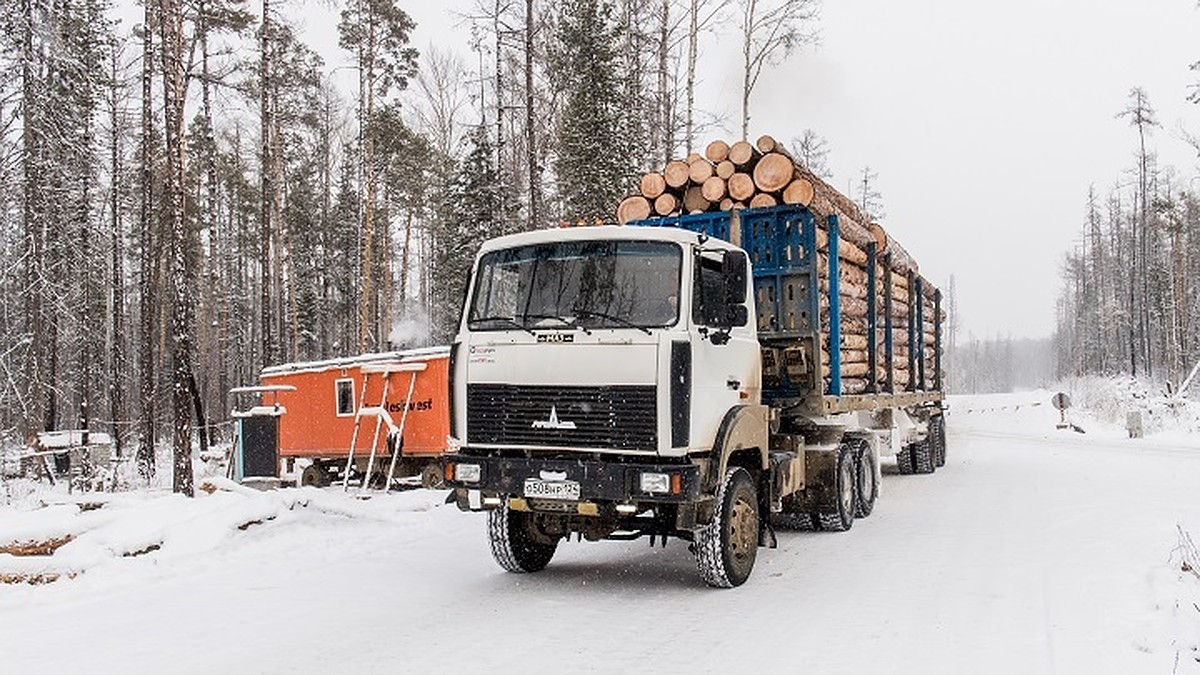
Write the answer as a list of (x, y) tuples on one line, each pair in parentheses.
[(599, 480)]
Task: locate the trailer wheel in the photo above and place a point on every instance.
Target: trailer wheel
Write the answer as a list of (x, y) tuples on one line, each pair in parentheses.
[(922, 457), (726, 547), (432, 477), (802, 522), (904, 460), (937, 435), (841, 518), (518, 545), (315, 475), (867, 479)]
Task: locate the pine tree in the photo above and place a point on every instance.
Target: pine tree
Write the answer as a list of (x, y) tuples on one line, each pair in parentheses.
[(470, 212), (593, 166)]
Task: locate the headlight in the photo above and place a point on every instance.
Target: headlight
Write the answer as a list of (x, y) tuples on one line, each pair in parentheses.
[(656, 482), (467, 473)]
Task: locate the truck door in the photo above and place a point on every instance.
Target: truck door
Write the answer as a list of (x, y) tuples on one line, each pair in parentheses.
[(725, 361)]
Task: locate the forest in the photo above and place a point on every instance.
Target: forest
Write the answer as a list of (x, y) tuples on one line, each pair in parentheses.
[(186, 200), (1130, 301)]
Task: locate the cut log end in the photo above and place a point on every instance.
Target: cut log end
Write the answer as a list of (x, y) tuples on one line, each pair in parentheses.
[(741, 186), (694, 201), (633, 208), (675, 173), (652, 185), (762, 200), (700, 170), (773, 172), (742, 154), (799, 191), (717, 151), (713, 189), (666, 204)]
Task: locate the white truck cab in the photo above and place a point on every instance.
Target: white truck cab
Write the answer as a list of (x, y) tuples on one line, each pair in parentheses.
[(608, 382)]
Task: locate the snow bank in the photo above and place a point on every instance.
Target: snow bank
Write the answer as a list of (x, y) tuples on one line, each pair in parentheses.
[(1109, 400), (104, 532)]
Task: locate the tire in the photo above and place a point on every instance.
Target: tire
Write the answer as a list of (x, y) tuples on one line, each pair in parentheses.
[(517, 544), (315, 475), (922, 453), (432, 477), (841, 518), (727, 547), (866, 480), (937, 435), (800, 522), (904, 461)]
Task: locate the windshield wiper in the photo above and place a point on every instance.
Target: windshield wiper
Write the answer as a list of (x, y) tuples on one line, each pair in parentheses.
[(506, 319), (561, 319), (610, 317)]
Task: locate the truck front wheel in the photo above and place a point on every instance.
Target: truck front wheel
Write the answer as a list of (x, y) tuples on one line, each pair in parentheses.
[(518, 544), (726, 547)]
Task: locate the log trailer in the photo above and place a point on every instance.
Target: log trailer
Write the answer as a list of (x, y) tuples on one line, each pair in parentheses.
[(704, 377)]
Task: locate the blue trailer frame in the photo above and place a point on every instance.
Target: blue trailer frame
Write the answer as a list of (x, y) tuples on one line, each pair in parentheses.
[(782, 244)]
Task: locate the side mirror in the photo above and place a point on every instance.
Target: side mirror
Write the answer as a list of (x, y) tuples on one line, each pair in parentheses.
[(733, 272)]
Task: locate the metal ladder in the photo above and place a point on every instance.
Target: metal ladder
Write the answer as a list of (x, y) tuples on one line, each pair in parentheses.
[(382, 417)]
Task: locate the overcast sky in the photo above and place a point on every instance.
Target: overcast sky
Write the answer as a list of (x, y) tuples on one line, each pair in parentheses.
[(986, 122)]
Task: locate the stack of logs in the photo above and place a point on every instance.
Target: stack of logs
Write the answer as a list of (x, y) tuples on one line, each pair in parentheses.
[(742, 175)]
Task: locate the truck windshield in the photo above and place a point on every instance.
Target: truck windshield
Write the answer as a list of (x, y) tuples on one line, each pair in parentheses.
[(590, 284)]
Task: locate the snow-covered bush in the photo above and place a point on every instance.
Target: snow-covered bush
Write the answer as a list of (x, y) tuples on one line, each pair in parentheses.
[(1111, 399)]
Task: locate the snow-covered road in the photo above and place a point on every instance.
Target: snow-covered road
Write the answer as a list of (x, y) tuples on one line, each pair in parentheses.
[(1033, 551)]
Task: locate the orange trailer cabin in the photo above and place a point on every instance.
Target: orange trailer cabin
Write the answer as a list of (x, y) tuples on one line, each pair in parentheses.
[(319, 423)]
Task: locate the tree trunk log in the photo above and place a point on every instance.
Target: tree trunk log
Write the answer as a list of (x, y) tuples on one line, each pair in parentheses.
[(725, 169), (676, 174), (773, 172), (766, 143), (633, 208), (717, 151), (666, 204), (763, 200), (700, 171), (694, 201), (901, 261), (652, 185), (743, 155), (713, 189), (741, 187), (799, 191)]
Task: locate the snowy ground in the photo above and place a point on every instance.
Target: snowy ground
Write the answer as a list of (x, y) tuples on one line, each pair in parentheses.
[(1033, 551)]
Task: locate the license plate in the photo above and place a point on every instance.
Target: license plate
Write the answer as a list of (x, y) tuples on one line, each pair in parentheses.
[(552, 489)]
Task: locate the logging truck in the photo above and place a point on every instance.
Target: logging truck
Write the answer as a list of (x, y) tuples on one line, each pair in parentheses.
[(707, 377)]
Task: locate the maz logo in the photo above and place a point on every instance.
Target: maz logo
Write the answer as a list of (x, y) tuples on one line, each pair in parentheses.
[(553, 422), (556, 337)]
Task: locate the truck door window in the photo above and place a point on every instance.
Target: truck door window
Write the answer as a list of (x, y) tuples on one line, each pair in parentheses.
[(708, 301)]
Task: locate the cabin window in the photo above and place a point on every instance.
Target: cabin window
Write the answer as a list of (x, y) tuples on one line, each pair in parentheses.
[(344, 392)]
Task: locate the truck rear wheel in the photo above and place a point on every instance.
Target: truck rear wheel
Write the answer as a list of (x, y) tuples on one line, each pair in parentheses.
[(866, 479), (904, 460), (922, 456), (727, 547), (937, 436), (803, 522), (518, 545), (841, 518)]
